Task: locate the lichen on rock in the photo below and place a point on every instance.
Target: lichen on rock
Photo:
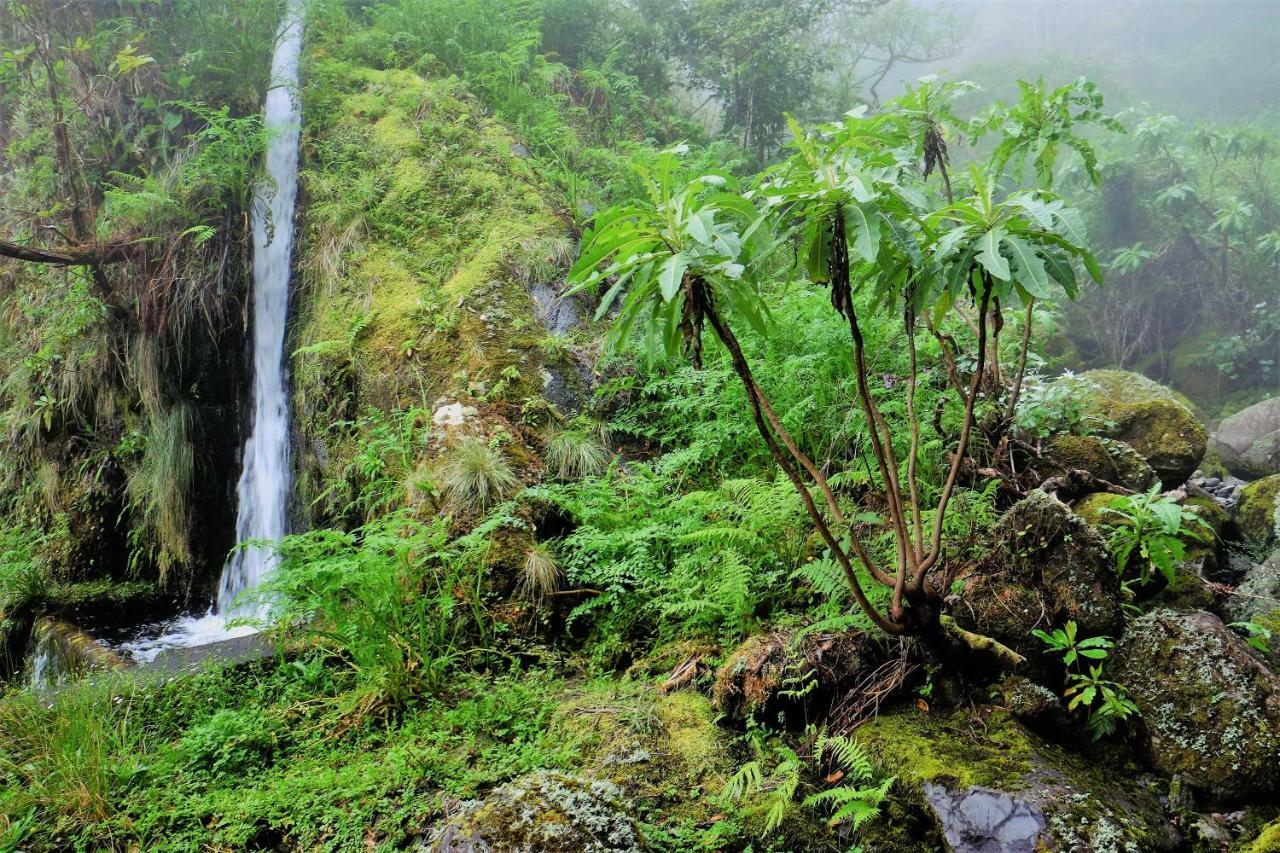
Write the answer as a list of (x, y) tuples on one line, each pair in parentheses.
[(1210, 707), (544, 812)]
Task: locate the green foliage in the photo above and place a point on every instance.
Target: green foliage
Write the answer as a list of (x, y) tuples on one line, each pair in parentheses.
[(1106, 702), (231, 742), (1256, 635), (474, 476), (1048, 408), (1063, 641), (386, 600), (71, 753), (688, 245), (765, 791), (1156, 528), (1043, 122)]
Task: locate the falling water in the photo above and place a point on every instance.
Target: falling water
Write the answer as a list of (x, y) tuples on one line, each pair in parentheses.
[(263, 491), (264, 485)]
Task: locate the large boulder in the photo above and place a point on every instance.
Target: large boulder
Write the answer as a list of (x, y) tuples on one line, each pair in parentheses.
[(1048, 567), (1210, 707), (544, 812), (1248, 442), (981, 783), (1104, 458), (1149, 417), (1256, 512)]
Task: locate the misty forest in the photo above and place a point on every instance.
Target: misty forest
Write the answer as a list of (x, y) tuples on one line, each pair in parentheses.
[(640, 425)]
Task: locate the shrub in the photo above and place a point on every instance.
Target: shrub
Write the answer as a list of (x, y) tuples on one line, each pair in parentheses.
[(386, 600), (231, 742)]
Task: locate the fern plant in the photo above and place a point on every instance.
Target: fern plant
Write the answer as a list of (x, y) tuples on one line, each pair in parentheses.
[(766, 789)]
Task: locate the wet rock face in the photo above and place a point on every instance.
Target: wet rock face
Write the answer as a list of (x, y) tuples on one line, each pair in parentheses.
[(1148, 417), (1050, 566), (543, 812), (1257, 596), (1248, 442), (979, 820), (1210, 707), (986, 784)]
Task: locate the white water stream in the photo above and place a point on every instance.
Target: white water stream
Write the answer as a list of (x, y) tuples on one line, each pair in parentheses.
[(265, 483)]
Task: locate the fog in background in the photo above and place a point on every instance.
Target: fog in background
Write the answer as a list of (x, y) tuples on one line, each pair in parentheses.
[(1210, 59)]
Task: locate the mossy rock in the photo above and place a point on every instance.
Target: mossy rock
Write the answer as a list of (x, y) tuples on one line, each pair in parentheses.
[(1195, 374), (1268, 841), (986, 783), (1255, 514), (1256, 599), (544, 812), (1210, 708), (1092, 507), (1154, 420), (664, 753), (1106, 459), (1048, 567)]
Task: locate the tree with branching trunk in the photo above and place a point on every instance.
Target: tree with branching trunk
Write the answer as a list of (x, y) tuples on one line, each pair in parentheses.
[(868, 225)]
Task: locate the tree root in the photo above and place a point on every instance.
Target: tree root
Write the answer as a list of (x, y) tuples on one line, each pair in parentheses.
[(979, 643)]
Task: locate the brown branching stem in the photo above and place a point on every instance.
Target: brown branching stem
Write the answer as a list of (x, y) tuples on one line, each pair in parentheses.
[(788, 466)]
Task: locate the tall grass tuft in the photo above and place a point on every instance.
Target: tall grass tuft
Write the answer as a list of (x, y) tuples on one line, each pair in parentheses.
[(577, 453), (159, 490), (68, 753), (542, 575), (476, 476)]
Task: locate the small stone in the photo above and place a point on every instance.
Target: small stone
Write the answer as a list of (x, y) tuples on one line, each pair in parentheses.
[(452, 414)]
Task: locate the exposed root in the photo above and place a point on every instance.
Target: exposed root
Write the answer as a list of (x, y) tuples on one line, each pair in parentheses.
[(981, 644)]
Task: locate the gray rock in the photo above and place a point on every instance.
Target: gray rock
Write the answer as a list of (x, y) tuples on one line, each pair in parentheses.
[(1257, 596), (544, 812), (1210, 706), (1248, 442), (979, 820)]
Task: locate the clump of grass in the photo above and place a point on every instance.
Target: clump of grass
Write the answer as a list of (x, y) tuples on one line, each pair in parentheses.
[(69, 754), (476, 476), (577, 453), (542, 574), (159, 488)]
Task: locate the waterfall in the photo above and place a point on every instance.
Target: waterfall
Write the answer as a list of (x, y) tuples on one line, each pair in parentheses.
[(263, 489), (264, 484)]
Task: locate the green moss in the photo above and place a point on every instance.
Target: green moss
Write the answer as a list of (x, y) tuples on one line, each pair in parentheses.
[(1256, 513), (664, 752), (921, 748), (1268, 841), (1086, 453), (419, 220), (1091, 507), (1156, 421)]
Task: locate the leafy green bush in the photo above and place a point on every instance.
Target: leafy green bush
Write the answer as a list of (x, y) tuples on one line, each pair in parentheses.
[(387, 600), (1105, 702), (1154, 527), (233, 742)]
